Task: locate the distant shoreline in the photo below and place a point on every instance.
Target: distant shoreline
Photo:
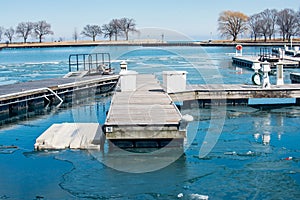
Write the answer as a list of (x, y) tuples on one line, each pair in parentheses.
[(149, 43)]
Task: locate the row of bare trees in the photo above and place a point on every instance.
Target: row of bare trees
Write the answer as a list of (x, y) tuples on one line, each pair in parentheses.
[(265, 24), (26, 29), (115, 28)]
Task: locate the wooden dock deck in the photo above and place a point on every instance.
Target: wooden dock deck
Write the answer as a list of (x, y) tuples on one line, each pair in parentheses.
[(235, 93), (29, 96), (145, 114), (249, 61), (54, 83)]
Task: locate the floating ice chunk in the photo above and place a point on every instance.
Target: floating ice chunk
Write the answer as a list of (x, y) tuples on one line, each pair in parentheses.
[(180, 195), (230, 153), (199, 197)]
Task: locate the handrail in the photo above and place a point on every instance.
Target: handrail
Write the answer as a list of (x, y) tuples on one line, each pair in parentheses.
[(56, 95), (91, 59)]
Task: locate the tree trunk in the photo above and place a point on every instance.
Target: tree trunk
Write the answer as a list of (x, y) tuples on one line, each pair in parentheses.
[(126, 33), (40, 38), (234, 38)]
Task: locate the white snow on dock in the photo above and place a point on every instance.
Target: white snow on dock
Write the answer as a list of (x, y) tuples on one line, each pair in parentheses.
[(70, 135)]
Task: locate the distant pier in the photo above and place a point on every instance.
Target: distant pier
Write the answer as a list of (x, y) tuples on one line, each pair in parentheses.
[(273, 56), (250, 61), (144, 42)]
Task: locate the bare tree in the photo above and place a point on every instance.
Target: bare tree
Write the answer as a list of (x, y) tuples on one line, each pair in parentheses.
[(24, 29), (254, 24), (9, 33), (41, 29), (1, 32), (267, 23), (127, 25), (108, 31), (232, 24), (92, 31), (273, 19), (298, 22), (116, 28), (75, 35), (287, 23)]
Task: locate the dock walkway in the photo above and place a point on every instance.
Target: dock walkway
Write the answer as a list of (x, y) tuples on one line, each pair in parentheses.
[(236, 93), (145, 114), (54, 83), (249, 61), (29, 96)]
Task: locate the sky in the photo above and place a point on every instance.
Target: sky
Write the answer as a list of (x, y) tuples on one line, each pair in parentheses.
[(195, 19)]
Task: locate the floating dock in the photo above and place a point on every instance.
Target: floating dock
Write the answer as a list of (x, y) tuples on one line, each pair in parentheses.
[(250, 61), (265, 55), (22, 98), (234, 93), (143, 117)]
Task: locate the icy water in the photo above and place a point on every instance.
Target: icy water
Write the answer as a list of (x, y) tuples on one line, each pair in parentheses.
[(230, 153)]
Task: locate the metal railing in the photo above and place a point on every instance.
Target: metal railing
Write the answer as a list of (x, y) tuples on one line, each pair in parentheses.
[(93, 62)]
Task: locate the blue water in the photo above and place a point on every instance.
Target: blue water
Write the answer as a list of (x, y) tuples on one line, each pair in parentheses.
[(230, 153)]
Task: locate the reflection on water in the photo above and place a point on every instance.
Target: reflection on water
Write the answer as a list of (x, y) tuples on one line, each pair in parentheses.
[(240, 161)]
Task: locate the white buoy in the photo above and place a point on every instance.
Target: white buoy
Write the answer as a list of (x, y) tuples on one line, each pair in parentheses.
[(187, 118)]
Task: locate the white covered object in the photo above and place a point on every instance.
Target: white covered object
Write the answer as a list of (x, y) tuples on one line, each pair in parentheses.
[(128, 80), (280, 75), (174, 81), (70, 135)]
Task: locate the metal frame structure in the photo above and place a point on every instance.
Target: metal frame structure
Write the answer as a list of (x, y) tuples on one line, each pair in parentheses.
[(93, 62)]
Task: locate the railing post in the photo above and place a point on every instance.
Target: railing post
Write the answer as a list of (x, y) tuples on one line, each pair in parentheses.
[(70, 63), (77, 62)]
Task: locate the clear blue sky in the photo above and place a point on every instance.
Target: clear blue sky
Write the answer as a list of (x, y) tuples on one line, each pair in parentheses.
[(195, 18)]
